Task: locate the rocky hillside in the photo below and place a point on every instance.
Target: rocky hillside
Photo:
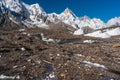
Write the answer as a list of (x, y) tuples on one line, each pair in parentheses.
[(26, 54), (35, 45)]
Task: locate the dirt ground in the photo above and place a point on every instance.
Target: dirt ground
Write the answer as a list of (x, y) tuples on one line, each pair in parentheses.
[(25, 54)]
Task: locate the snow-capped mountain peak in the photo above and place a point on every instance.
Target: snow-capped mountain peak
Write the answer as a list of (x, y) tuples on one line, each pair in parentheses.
[(29, 15), (68, 17), (67, 13), (93, 23), (13, 5), (36, 12), (114, 22), (85, 18), (36, 9)]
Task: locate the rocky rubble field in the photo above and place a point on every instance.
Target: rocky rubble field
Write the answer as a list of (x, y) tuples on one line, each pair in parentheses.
[(24, 55)]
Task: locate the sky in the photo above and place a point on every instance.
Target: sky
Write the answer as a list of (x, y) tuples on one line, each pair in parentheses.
[(103, 9)]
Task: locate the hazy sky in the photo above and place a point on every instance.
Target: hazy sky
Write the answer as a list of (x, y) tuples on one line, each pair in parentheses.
[(103, 9)]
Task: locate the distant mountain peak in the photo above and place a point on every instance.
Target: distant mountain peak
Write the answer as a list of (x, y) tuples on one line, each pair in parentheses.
[(114, 22), (13, 5), (84, 18), (36, 8), (67, 14), (67, 11)]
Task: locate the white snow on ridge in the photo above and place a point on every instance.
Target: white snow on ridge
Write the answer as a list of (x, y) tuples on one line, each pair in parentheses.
[(98, 34), (92, 23), (113, 32), (78, 32), (35, 11), (13, 5), (13, 20), (114, 22), (68, 17), (53, 17), (106, 34)]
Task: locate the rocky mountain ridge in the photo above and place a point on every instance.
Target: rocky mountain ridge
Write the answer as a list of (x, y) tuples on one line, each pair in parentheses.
[(34, 15)]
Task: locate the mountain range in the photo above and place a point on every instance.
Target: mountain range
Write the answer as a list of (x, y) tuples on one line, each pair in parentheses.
[(16, 13)]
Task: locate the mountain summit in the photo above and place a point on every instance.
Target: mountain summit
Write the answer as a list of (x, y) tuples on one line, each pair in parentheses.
[(29, 15), (12, 5), (114, 22), (69, 12)]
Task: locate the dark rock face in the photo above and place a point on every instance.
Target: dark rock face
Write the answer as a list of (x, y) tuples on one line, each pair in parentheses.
[(9, 21), (4, 20), (110, 78), (87, 29)]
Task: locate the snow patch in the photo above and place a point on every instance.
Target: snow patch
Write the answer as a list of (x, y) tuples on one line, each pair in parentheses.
[(88, 41), (98, 34), (21, 30), (78, 32), (13, 20), (113, 32), (78, 54), (58, 54), (114, 22), (47, 39), (107, 34), (9, 77), (24, 33), (23, 49), (52, 75), (87, 63)]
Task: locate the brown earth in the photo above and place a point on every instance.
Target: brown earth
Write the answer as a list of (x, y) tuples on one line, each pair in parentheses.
[(40, 60)]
